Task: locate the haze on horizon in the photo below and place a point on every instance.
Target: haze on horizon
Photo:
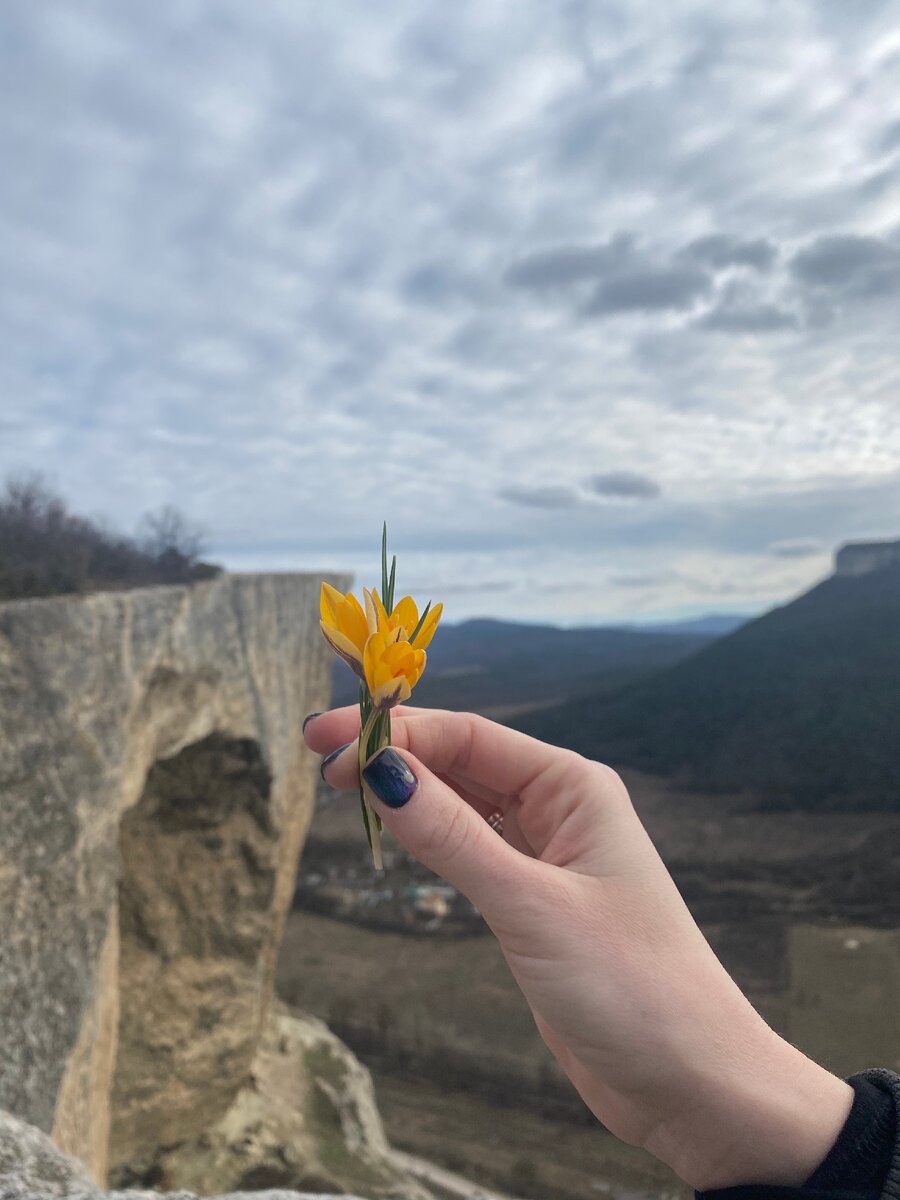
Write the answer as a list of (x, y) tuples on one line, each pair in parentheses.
[(596, 303)]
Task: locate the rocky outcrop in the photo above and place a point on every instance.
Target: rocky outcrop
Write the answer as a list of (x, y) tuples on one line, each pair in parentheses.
[(862, 558), (150, 748), (306, 1119), (32, 1168)]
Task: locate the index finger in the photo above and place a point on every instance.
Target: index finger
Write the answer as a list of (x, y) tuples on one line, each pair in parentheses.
[(460, 744)]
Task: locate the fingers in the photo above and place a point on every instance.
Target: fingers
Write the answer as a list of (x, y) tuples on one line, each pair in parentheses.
[(445, 833), (454, 744)]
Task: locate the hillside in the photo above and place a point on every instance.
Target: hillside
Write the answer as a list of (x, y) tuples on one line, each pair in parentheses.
[(799, 708), (499, 668)]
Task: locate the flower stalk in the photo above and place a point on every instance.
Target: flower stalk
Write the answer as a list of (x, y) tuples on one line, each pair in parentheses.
[(384, 644)]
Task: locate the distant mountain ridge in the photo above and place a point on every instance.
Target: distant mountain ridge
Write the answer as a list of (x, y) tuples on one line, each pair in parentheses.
[(799, 708), (500, 667), (712, 625)]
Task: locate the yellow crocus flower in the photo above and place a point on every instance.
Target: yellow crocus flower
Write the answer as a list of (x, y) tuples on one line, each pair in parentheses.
[(345, 626), (405, 617), (387, 651), (392, 667)]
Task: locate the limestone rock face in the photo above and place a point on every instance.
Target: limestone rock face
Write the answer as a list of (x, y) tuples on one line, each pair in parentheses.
[(305, 1119), (150, 747), (32, 1168)]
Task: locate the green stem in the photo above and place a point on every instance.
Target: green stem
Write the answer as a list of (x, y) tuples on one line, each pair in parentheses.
[(373, 824)]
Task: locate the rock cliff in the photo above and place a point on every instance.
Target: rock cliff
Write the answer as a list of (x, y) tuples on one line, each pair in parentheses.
[(154, 796), (862, 558)]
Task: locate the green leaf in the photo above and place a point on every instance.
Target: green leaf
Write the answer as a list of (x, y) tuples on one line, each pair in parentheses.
[(389, 602), (416, 631), (384, 571)]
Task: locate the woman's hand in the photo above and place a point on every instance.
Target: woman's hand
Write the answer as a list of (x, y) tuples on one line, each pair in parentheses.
[(625, 991)]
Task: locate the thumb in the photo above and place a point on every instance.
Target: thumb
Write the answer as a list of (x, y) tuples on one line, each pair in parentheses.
[(442, 831)]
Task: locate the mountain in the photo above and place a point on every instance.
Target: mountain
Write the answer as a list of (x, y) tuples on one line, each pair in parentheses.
[(713, 625), (499, 667), (798, 709)]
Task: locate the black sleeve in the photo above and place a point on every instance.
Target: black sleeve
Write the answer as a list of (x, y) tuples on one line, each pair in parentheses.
[(864, 1162)]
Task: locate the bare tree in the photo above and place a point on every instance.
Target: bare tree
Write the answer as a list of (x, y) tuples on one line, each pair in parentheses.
[(168, 534), (45, 550)]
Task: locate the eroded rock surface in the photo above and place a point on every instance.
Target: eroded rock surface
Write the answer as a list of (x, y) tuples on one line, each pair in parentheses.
[(32, 1168), (305, 1119), (199, 860), (151, 737)]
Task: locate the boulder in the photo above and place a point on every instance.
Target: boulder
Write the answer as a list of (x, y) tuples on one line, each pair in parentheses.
[(305, 1119), (32, 1168)]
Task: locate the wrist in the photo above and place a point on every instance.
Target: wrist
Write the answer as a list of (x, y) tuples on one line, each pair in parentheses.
[(767, 1115)]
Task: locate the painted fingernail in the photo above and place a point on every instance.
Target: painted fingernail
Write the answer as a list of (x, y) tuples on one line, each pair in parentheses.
[(389, 777), (306, 720), (329, 758)]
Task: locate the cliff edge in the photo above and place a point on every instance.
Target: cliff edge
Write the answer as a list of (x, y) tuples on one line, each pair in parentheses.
[(154, 795)]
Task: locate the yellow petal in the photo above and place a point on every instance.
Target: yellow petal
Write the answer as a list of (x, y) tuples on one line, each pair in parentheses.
[(329, 601), (394, 691), (384, 621), (406, 615), (371, 658), (343, 647), (371, 612), (429, 625), (353, 621)]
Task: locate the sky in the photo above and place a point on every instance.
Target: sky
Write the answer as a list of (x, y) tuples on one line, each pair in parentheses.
[(596, 303)]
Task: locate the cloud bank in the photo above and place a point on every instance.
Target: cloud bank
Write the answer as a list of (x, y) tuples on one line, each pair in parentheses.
[(298, 270)]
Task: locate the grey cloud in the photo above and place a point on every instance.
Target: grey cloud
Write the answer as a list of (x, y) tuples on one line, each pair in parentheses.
[(436, 282), (797, 548), (851, 263), (549, 496), (641, 579), (760, 318), (653, 289), (456, 587), (570, 264), (889, 139), (625, 485), (718, 251)]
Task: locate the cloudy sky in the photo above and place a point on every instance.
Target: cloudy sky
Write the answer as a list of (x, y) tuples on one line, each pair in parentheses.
[(597, 302)]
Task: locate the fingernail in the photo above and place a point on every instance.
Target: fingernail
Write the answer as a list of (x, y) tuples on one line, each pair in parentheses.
[(306, 720), (329, 758), (389, 777)]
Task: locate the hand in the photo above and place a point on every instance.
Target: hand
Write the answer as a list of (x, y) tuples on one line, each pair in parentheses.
[(652, 1031)]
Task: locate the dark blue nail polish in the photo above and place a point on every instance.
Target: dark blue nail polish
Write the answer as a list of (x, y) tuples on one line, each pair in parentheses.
[(329, 758), (390, 778), (306, 720)]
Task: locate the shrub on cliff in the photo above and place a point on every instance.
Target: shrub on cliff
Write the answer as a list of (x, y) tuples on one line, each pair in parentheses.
[(46, 550)]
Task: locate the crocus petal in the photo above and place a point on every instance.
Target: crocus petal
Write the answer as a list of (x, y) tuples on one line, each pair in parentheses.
[(393, 691), (429, 625), (353, 621), (330, 600), (406, 615), (371, 658), (343, 647), (371, 612), (384, 621)]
